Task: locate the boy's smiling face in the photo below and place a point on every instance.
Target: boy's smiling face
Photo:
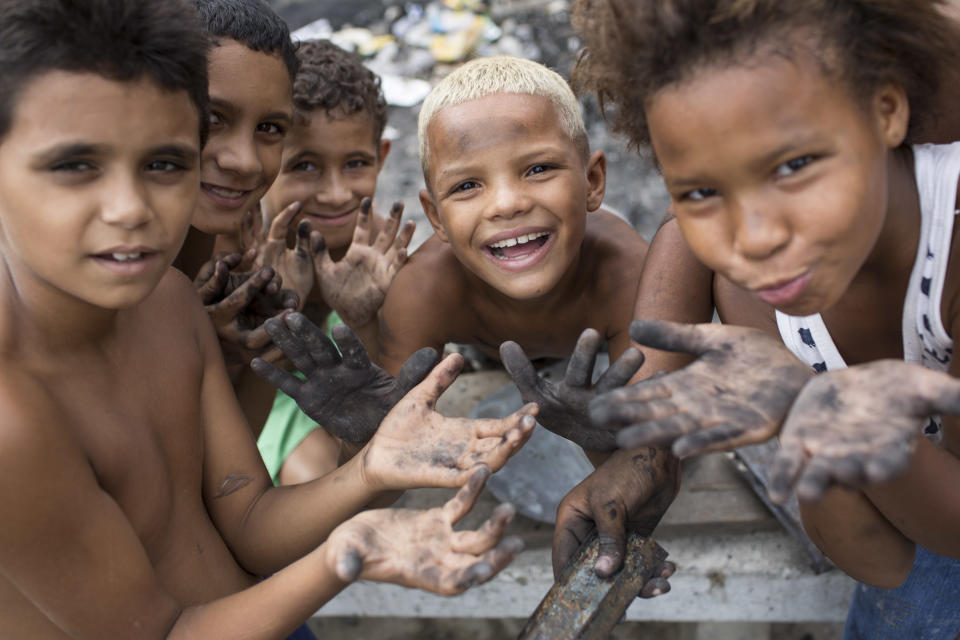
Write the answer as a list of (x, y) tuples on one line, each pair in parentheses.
[(329, 165), (778, 176), (98, 184), (509, 190), (250, 112)]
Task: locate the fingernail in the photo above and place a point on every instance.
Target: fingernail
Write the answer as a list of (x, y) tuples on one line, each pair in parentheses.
[(603, 566)]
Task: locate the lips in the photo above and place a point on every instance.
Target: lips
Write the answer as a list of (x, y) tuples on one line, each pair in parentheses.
[(226, 197), (335, 219), (784, 292), (516, 251)]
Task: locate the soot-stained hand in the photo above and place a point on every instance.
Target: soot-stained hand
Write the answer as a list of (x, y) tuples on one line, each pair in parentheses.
[(416, 446), (344, 391), (420, 549), (629, 492), (858, 426), (355, 286), (239, 301), (736, 392), (564, 405), (295, 266)]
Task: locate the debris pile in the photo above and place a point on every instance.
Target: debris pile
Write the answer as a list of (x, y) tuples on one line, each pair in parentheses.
[(416, 42)]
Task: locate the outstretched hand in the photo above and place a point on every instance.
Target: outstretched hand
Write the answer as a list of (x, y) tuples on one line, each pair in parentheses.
[(630, 491), (858, 426), (420, 549), (417, 447), (564, 405), (295, 266), (344, 391), (240, 301), (356, 285), (736, 392)]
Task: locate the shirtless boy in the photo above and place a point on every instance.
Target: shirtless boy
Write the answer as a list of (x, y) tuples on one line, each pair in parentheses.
[(133, 500), (522, 250)]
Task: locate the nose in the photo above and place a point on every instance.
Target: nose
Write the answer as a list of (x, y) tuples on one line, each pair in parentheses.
[(126, 204), (334, 191), (239, 155), (758, 230), (506, 199)]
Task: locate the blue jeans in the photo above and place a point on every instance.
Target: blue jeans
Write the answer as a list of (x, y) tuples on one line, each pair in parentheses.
[(925, 607)]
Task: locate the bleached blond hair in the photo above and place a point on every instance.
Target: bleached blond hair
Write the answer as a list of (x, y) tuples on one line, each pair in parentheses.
[(502, 74)]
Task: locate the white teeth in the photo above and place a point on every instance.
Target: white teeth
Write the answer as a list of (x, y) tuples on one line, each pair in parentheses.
[(226, 193), (126, 257), (524, 239)]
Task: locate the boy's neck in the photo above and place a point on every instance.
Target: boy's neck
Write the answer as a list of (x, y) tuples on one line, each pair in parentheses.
[(197, 249), (35, 317)]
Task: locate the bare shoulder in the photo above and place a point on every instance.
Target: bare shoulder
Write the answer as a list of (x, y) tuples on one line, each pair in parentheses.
[(425, 304), (612, 244)]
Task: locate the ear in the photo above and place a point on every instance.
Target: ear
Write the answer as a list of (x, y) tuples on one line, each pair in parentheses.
[(430, 208), (596, 179), (892, 109), (383, 149)]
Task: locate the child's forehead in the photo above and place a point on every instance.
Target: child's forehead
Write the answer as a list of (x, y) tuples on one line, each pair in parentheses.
[(64, 107), (233, 64), (319, 129), (494, 118)]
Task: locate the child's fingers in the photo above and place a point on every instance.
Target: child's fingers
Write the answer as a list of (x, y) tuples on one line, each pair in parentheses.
[(437, 381), (302, 248), (213, 280), (944, 391), (385, 238), (498, 427), (322, 351), (322, 262), (670, 336), (289, 299), (501, 555), (361, 232), (243, 295), (278, 227), (656, 432), (621, 371), (279, 378), (848, 470), (416, 368), (887, 464), (461, 503), (406, 235), (509, 443), (354, 354), (460, 581), (627, 405), (786, 468), (256, 339), (633, 412), (815, 480), (521, 370), (488, 535), (716, 437), (580, 368), (292, 347)]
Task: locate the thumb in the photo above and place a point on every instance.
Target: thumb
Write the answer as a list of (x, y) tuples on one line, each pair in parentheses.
[(519, 367), (438, 380), (610, 519), (349, 564), (416, 368), (670, 336)]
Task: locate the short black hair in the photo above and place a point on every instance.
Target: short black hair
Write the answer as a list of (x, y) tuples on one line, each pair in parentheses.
[(253, 24), (336, 81), (123, 40)]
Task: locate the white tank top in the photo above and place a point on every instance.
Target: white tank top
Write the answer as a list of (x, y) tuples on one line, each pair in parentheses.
[(925, 340)]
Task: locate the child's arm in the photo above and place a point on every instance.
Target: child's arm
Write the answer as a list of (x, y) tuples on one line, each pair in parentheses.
[(267, 527), (70, 550), (356, 285)]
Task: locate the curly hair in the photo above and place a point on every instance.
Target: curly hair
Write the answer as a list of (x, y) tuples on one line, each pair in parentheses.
[(634, 48), (336, 81)]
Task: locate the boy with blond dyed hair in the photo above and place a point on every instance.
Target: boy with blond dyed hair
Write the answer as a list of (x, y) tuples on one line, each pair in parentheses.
[(522, 250)]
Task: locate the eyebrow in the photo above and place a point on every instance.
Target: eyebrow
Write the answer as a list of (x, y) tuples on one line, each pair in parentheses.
[(68, 150), (183, 151)]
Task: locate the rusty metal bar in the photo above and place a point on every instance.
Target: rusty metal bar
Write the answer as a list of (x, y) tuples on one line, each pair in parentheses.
[(583, 606)]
